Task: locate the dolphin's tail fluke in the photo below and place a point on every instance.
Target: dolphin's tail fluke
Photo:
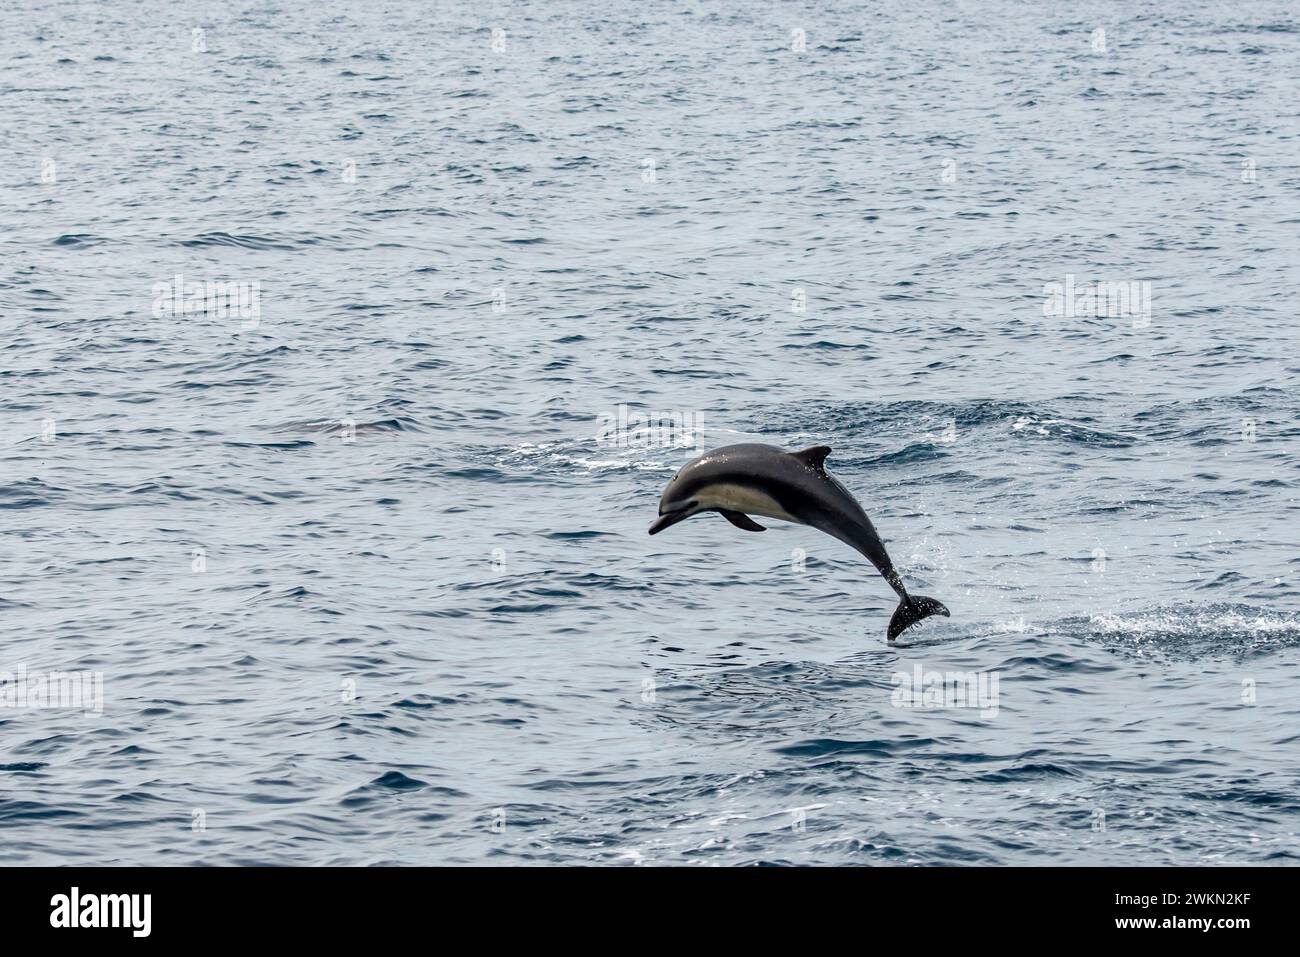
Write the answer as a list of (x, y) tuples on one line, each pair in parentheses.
[(912, 609)]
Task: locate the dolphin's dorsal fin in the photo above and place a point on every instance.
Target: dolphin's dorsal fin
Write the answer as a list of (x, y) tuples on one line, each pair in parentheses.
[(815, 457)]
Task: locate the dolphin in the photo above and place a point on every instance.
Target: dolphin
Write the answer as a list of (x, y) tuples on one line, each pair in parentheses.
[(751, 479)]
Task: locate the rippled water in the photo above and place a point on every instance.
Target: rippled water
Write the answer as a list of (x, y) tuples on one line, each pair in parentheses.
[(367, 583)]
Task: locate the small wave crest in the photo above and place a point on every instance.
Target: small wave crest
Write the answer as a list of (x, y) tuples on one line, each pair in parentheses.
[(1193, 631)]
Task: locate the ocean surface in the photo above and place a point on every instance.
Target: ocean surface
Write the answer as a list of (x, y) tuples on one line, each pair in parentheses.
[(360, 568)]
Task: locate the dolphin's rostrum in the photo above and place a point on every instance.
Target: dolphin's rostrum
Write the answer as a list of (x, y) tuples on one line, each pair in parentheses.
[(751, 479)]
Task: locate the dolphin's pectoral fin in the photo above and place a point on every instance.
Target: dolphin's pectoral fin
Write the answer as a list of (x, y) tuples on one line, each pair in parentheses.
[(741, 520), (815, 457)]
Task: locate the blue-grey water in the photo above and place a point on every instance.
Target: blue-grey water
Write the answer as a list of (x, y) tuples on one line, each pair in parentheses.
[(365, 575)]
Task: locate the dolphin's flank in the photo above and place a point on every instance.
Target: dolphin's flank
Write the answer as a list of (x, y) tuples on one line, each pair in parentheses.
[(743, 480)]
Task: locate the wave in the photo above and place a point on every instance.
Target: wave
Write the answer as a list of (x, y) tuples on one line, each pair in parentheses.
[(78, 240), (1190, 631), (252, 241)]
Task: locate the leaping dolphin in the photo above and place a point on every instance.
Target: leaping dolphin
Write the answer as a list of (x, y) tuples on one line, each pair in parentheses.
[(752, 479)]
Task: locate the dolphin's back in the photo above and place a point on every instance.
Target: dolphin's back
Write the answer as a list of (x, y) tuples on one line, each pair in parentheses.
[(809, 494)]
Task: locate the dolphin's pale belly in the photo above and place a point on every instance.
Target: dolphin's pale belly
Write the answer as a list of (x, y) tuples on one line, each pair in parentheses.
[(743, 498)]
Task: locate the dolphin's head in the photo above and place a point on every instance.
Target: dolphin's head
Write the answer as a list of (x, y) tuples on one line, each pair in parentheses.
[(731, 480), (678, 502), (689, 492)]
